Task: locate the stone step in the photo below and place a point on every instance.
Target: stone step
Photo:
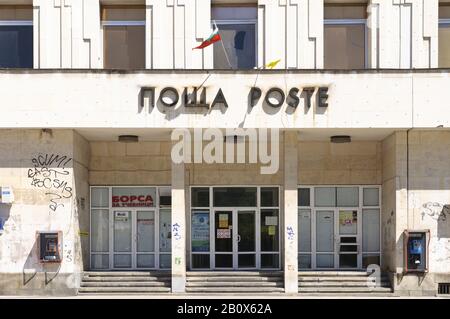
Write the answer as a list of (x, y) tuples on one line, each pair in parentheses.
[(338, 284), (340, 289), (224, 290), (233, 273), (233, 279), (125, 284), (125, 278), (235, 284), (127, 273), (123, 290), (333, 273), (340, 279)]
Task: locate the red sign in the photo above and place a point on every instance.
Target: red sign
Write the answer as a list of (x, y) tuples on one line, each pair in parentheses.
[(132, 201)]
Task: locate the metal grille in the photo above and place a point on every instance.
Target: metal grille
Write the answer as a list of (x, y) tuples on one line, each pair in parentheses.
[(444, 289)]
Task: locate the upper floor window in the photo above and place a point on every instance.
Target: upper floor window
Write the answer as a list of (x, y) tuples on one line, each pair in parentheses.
[(345, 34), (237, 28), (123, 37), (444, 36), (16, 36)]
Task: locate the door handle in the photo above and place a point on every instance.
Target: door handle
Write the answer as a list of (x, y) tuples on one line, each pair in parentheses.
[(238, 238)]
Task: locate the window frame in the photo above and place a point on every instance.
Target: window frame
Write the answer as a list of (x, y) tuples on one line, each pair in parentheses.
[(21, 23), (240, 21), (118, 23), (443, 23), (350, 22)]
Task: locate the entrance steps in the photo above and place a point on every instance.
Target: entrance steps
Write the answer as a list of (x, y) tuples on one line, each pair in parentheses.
[(235, 282), (342, 282), (124, 282)]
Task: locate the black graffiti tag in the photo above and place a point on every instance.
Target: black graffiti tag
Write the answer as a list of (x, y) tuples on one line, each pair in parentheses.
[(49, 172)]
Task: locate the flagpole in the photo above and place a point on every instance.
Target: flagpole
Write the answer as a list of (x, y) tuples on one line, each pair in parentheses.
[(223, 46)]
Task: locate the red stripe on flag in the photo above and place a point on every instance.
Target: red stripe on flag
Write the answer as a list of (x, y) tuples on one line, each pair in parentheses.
[(207, 43)]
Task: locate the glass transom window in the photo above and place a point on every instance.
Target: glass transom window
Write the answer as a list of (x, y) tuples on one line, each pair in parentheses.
[(444, 36)]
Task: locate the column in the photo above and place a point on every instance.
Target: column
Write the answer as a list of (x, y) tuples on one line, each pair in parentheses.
[(178, 229), (290, 212)]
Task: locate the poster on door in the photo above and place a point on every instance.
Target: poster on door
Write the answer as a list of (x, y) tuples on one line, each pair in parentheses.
[(223, 233), (200, 231)]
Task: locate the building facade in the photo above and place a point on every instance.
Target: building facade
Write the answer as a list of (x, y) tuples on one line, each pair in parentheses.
[(345, 142)]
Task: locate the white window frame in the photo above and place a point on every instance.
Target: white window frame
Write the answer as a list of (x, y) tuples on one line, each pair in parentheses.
[(156, 209), (116, 23), (212, 209), (247, 21), (360, 208), (346, 22), (443, 23)]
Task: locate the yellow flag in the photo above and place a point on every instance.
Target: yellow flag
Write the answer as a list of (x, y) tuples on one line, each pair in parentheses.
[(273, 64)]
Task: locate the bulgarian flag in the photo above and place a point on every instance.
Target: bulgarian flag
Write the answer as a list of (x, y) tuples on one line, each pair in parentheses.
[(213, 38)]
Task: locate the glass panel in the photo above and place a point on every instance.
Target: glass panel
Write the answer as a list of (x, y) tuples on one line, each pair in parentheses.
[(348, 222), (21, 13), (344, 47), (269, 197), (234, 13), (246, 231), (370, 260), (348, 260), (348, 248), (246, 260), (235, 196), (223, 231), (371, 197), (145, 261), (325, 231), (347, 196), (122, 261), (269, 230), (165, 197), (165, 235), (100, 261), (165, 261), (200, 197), (133, 196), (304, 197), (240, 44), (304, 261), (444, 46), (200, 231), (145, 231), (444, 11), (100, 197), (224, 261), (345, 12), (16, 46), (270, 261), (325, 261), (371, 230), (122, 231), (304, 230), (348, 240), (121, 13), (325, 196), (200, 261), (124, 47), (100, 230)]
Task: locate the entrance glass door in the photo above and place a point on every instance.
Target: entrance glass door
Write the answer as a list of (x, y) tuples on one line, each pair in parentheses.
[(133, 239), (246, 239), (325, 250), (223, 234), (348, 238), (235, 239)]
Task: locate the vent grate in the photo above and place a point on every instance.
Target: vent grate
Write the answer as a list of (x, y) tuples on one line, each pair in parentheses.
[(444, 289)]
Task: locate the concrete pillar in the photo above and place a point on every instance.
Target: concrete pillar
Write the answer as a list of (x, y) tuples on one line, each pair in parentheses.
[(178, 229), (290, 212)]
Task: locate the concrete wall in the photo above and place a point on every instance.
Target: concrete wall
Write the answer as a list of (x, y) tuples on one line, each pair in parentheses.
[(47, 194), (324, 163), (143, 163)]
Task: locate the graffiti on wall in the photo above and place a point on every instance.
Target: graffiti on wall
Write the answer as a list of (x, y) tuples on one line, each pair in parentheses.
[(50, 174), (436, 211)]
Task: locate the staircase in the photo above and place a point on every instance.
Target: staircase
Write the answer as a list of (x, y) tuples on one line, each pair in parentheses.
[(121, 282), (235, 282), (341, 282)]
